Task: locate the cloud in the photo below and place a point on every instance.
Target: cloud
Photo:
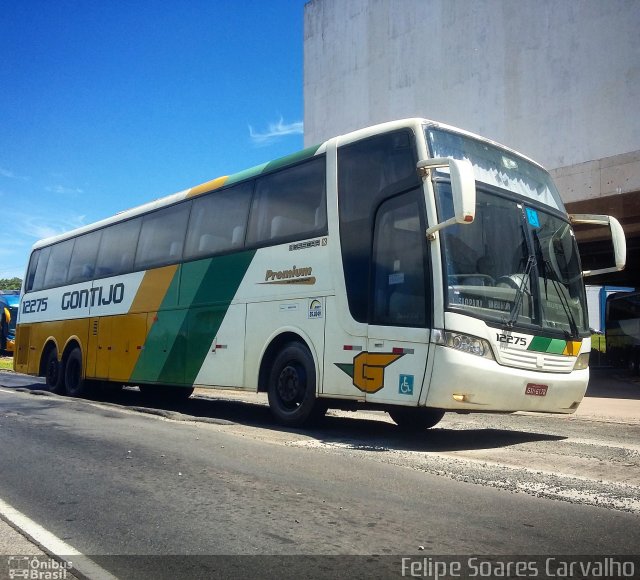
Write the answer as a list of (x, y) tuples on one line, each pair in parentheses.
[(60, 189), (38, 227), (4, 172), (275, 132)]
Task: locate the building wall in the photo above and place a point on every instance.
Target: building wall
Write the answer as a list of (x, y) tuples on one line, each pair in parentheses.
[(558, 80)]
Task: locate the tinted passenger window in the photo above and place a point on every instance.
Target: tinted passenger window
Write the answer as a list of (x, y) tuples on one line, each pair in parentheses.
[(41, 268), (83, 259), (369, 171), (289, 204), (58, 265), (162, 236), (118, 248), (218, 222), (31, 271)]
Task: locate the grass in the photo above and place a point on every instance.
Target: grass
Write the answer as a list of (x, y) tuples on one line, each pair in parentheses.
[(6, 363)]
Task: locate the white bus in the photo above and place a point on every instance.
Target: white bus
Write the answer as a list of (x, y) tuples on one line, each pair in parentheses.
[(409, 267)]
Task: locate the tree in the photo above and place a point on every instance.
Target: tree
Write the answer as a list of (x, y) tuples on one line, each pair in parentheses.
[(10, 283)]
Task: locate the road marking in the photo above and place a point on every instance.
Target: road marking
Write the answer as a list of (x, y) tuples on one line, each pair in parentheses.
[(53, 545)]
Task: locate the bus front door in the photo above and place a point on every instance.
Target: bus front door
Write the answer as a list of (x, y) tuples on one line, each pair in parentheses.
[(397, 332)]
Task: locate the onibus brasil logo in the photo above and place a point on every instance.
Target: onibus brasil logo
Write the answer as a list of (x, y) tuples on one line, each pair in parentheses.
[(37, 568)]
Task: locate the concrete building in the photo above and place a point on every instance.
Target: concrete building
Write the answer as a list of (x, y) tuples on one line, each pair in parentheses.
[(558, 80)]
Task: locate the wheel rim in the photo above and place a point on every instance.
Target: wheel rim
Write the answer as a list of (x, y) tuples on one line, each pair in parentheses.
[(291, 386)]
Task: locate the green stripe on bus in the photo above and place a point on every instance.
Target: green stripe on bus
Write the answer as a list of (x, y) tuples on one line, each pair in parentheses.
[(246, 174), (557, 346), (156, 347), (218, 285), (272, 165), (291, 159), (179, 341), (539, 344)]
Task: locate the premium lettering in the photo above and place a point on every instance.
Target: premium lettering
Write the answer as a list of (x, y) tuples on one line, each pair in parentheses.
[(295, 272)]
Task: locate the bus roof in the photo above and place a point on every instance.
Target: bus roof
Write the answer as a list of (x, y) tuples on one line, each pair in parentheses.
[(415, 123)]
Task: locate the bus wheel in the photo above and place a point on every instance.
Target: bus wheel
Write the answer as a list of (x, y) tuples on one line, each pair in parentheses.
[(53, 373), (292, 387), (414, 419), (75, 385)]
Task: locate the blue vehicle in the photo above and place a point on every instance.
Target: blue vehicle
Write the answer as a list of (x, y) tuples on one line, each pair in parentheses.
[(9, 301)]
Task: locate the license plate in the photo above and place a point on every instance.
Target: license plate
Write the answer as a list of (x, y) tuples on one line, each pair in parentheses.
[(536, 390)]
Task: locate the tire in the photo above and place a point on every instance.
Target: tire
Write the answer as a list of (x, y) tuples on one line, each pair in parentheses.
[(53, 372), (74, 383), (292, 387), (415, 419)]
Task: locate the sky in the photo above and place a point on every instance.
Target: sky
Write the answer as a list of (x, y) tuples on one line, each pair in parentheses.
[(108, 105)]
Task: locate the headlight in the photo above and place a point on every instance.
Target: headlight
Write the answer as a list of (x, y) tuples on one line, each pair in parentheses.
[(463, 342), (582, 362)]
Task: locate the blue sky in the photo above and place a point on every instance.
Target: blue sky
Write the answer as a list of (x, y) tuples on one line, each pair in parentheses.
[(107, 105)]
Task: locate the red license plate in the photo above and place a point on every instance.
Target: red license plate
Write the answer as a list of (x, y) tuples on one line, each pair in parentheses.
[(536, 390)]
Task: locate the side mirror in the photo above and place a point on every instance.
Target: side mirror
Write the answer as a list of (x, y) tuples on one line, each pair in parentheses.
[(463, 190), (617, 237)]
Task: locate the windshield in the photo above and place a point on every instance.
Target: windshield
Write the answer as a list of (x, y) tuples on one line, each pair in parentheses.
[(514, 265), (496, 166)]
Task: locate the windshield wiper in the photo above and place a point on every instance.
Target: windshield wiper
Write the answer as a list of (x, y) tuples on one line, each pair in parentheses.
[(565, 306), (513, 315), (546, 264)]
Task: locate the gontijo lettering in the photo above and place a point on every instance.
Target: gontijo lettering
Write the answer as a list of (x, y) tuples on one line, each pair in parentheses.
[(96, 296)]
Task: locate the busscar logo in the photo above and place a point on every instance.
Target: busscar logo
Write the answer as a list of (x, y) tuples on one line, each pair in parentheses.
[(293, 276)]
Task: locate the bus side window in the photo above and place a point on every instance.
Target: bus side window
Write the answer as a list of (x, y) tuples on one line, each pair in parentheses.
[(31, 271), (41, 269), (117, 248), (218, 221), (83, 258), (162, 236), (58, 265), (289, 204)]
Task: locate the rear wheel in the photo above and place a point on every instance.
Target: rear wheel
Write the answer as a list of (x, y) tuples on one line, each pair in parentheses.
[(74, 383), (53, 372), (414, 419), (292, 387)]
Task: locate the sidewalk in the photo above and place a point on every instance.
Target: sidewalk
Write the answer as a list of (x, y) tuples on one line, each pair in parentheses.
[(613, 395)]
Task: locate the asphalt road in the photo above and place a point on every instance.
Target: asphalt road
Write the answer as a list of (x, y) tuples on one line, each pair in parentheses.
[(215, 476)]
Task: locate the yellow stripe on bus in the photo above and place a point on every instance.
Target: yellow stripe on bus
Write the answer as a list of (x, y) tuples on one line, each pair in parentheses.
[(208, 186), (572, 348), (153, 289)]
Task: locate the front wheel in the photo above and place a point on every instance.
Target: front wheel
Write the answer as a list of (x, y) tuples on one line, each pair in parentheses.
[(292, 386), (414, 419)]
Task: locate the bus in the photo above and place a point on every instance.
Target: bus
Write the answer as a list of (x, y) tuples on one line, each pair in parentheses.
[(409, 267), (9, 301), (622, 330)]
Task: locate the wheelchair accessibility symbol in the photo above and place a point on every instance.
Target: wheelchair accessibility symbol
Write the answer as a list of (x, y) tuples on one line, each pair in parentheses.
[(406, 385)]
